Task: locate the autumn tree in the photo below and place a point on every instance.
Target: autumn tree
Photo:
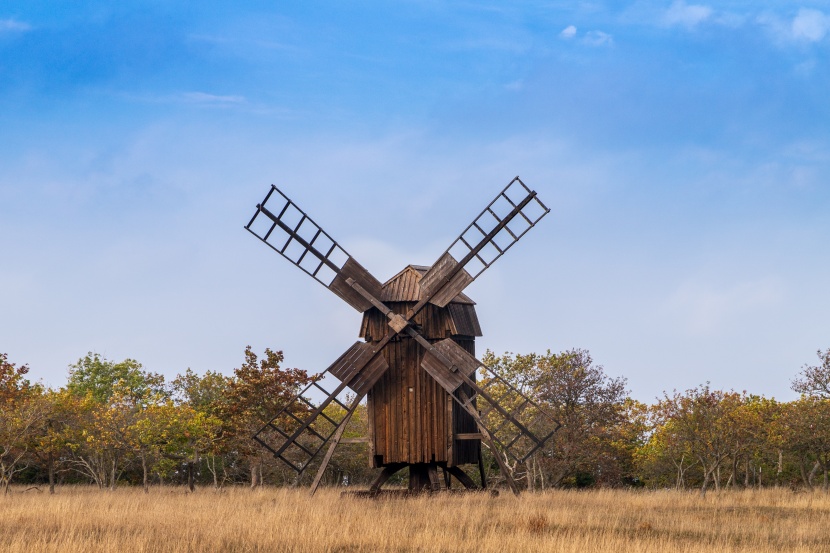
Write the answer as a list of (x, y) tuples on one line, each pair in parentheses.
[(814, 380), (589, 404), (259, 389), (702, 421), (19, 416), (111, 398), (806, 433), (207, 396), (53, 435)]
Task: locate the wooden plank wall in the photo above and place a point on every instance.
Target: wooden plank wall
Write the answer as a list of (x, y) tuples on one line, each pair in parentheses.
[(411, 417), (465, 451), (408, 410)]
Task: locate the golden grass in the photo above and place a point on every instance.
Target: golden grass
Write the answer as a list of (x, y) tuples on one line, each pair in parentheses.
[(238, 520)]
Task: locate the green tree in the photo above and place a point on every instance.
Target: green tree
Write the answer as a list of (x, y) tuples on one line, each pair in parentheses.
[(98, 376), (208, 395), (112, 399)]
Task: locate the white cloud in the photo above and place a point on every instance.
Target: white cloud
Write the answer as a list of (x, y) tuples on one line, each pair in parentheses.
[(568, 32), (686, 15), (205, 98), (12, 25), (598, 38), (810, 25)]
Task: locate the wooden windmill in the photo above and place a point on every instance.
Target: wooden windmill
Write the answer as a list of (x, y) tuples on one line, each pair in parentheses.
[(430, 403)]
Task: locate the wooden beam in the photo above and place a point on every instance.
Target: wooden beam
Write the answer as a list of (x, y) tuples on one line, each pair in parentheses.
[(338, 434), (468, 436), (489, 440), (462, 477)]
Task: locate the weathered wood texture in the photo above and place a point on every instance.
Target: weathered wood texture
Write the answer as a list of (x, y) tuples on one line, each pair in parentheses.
[(412, 419)]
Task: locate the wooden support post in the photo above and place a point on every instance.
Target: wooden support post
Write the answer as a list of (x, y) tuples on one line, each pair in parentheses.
[(481, 472), (462, 477), (489, 439), (334, 442), (385, 474)]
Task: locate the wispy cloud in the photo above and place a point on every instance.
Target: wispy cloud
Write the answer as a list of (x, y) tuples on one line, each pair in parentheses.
[(808, 26), (13, 25), (515, 86), (686, 15), (598, 38), (568, 32), (205, 98)]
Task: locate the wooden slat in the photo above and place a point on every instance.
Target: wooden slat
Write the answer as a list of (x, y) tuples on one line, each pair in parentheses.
[(437, 370), (449, 431), (353, 269), (448, 379), (464, 319), (370, 427), (362, 440), (363, 381), (435, 284), (353, 359)]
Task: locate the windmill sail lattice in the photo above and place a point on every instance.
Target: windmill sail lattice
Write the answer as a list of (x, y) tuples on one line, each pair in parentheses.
[(407, 371)]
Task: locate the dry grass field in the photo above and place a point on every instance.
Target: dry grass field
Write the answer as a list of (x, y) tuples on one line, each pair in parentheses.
[(277, 520)]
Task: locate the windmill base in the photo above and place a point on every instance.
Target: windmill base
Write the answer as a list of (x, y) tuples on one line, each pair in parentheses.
[(404, 494), (423, 478)]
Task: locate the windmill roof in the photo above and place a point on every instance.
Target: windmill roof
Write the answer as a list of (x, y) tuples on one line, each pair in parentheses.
[(404, 286)]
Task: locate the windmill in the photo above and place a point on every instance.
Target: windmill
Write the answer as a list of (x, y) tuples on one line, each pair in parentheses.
[(430, 404)]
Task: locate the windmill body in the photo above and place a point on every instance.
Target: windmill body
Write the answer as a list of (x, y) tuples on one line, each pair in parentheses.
[(416, 365), (412, 419)]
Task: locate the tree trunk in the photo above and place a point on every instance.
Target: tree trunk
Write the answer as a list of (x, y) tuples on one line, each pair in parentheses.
[(112, 475), (254, 473), (804, 476), (191, 485), (144, 471), (813, 472), (531, 473), (51, 468), (707, 475)]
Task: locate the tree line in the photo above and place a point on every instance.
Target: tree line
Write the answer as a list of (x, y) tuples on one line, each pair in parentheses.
[(116, 423)]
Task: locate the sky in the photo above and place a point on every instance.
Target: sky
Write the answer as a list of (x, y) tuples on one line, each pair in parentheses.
[(683, 148)]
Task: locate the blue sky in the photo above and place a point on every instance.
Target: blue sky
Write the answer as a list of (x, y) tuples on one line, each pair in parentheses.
[(684, 149)]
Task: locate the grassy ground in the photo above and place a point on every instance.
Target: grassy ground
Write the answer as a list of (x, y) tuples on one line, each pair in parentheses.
[(278, 520)]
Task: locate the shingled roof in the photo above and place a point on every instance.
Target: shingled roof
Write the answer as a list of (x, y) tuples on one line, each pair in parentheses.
[(404, 287)]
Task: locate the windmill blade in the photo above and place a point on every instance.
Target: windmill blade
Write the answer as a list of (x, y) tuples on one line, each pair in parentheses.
[(513, 212), (301, 429), (516, 424), (294, 235)]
